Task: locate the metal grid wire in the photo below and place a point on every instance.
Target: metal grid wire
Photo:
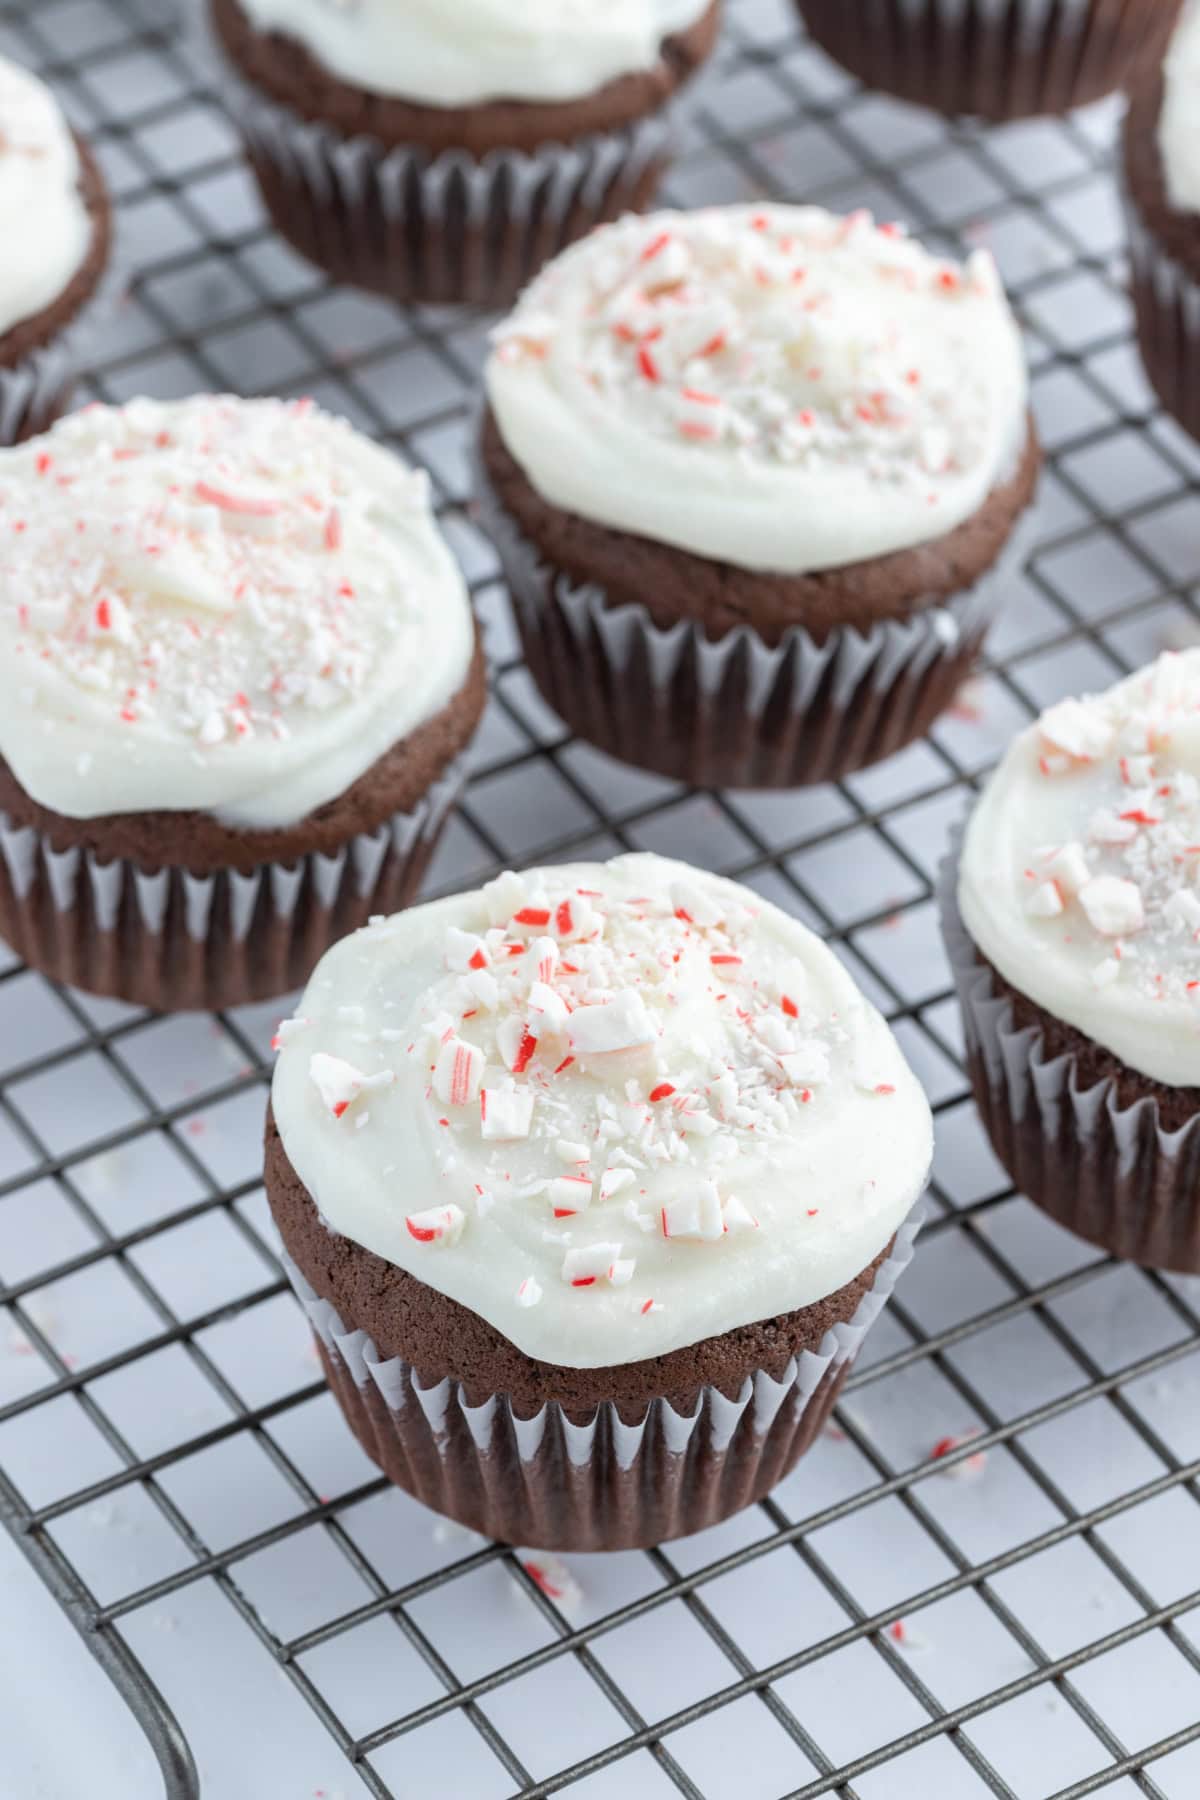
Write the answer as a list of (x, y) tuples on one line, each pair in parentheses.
[(874, 1630)]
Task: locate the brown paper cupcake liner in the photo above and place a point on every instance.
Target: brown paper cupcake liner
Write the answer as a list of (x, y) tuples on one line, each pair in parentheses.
[(35, 390), (425, 227), (1166, 299), (1110, 1173), (1007, 59), (738, 712), (605, 1484), (173, 940)]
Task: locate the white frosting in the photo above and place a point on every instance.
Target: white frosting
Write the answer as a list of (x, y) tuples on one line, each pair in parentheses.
[(1079, 876), (44, 224), (229, 605), (466, 52), (613, 1108), (1179, 121), (772, 387)]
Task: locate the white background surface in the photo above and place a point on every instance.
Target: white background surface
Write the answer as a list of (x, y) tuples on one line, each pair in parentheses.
[(1019, 1324)]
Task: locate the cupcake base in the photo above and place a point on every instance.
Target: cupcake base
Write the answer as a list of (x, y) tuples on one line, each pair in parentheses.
[(563, 1458), (547, 1483), (1103, 1150), (175, 912), (435, 205), (1164, 253), (1009, 60), (717, 703), (41, 356)]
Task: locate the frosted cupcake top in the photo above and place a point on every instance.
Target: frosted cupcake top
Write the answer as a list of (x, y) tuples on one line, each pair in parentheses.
[(229, 605), (613, 1108), (44, 224), (1080, 875), (467, 52), (771, 387), (1179, 121)]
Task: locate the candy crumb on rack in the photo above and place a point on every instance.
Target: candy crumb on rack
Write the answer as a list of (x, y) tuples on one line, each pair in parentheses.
[(549, 1573), (967, 1467)]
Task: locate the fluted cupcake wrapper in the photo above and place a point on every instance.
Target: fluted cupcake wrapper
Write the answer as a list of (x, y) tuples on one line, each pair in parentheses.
[(171, 939), (603, 1484), (1110, 1173), (37, 388), (738, 712), (997, 59), (445, 227), (1166, 299)]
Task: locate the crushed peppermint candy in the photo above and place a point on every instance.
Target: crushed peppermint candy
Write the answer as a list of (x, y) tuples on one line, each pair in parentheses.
[(787, 335), (660, 1079), (1118, 774), (340, 1084), (437, 1225), (213, 569)]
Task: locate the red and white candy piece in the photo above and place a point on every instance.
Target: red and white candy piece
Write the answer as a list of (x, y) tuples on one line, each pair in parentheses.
[(696, 905), (483, 988), (464, 950), (503, 897), (620, 1024), (554, 1578), (696, 1214), (1078, 728), (529, 1293), (574, 917), (615, 1181), (724, 1095), (737, 1215), (458, 1072), (516, 1043), (569, 1194), (547, 1009), (287, 1029), (597, 1262), (968, 1466), (1045, 902), (505, 1114), (340, 1084), (1067, 867), (438, 1225), (1109, 828), (540, 962)]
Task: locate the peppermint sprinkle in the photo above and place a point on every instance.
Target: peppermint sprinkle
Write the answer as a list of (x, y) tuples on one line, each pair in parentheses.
[(214, 570)]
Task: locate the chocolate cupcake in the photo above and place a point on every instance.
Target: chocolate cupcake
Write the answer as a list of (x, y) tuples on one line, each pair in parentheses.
[(591, 1184), (444, 153), (1162, 203), (1072, 918), (55, 225), (753, 474), (999, 59), (238, 670)]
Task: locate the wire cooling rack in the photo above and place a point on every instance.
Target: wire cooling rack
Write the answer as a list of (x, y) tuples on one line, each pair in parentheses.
[(984, 1580)]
